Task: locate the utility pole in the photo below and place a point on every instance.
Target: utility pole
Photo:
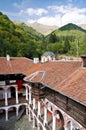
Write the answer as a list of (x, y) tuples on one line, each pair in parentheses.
[(77, 47)]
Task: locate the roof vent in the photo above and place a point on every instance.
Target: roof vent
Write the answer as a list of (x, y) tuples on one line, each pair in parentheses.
[(84, 60), (8, 57), (36, 60)]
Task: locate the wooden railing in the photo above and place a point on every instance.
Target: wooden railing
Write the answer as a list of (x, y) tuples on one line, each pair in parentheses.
[(74, 111)]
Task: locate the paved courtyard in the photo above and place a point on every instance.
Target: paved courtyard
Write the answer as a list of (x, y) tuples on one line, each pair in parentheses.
[(21, 124)]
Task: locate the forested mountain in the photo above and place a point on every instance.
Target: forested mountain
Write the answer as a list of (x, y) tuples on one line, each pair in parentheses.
[(71, 26), (69, 39), (21, 40), (18, 40), (29, 30)]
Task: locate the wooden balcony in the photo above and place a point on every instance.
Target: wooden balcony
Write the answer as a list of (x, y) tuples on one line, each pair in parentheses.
[(70, 106)]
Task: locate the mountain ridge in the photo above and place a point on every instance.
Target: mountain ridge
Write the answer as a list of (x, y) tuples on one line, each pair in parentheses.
[(71, 26), (46, 30)]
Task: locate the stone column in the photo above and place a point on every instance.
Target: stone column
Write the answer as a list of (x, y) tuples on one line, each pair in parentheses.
[(39, 109), (26, 110), (45, 114), (29, 115), (33, 121), (71, 125), (38, 125), (34, 108), (26, 93), (17, 95), (29, 104), (65, 127), (29, 96), (54, 122), (34, 104), (6, 115), (17, 111), (6, 100)]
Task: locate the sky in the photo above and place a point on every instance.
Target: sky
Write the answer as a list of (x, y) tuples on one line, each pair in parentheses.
[(47, 12)]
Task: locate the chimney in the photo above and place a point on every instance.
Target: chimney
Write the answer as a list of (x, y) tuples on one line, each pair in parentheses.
[(36, 60), (8, 57), (83, 60)]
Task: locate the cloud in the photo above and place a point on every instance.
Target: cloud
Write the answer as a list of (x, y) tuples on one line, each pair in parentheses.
[(50, 20), (73, 18), (63, 15), (31, 21), (66, 9), (38, 11), (52, 15)]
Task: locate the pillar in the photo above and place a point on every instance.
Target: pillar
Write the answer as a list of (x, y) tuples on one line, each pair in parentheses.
[(29, 104), (29, 115), (54, 121), (17, 95), (45, 114), (6, 100), (27, 93), (34, 108), (33, 121), (6, 115), (65, 127), (71, 125), (26, 110), (17, 111), (38, 126), (34, 104), (29, 96), (39, 109)]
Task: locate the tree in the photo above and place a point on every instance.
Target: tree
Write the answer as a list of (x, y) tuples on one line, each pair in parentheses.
[(52, 38)]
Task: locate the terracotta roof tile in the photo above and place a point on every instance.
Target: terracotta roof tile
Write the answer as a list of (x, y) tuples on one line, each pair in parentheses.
[(66, 77), (15, 65), (75, 86)]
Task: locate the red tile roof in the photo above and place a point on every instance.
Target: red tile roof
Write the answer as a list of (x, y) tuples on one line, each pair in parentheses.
[(65, 77), (15, 65), (75, 86)]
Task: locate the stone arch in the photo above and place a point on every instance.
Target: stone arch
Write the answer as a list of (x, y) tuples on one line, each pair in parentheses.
[(59, 120), (72, 125), (12, 112)]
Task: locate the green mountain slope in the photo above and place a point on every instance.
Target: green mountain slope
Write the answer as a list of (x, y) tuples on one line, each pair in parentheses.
[(68, 39), (17, 40), (29, 30), (21, 40), (71, 26)]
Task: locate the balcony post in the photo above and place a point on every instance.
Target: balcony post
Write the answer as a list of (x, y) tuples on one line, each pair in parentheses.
[(39, 109), (6, 115), (45, 114), (26, 93), (17, 95), (6, 100)]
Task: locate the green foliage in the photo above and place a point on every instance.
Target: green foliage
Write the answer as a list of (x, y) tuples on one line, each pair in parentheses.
[(71, 26), (21, 40), (18, 40), (66, 40)]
